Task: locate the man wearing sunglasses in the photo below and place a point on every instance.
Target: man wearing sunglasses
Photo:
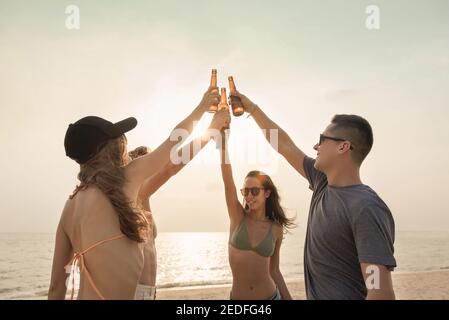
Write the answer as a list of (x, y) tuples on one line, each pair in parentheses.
[(348, 251)]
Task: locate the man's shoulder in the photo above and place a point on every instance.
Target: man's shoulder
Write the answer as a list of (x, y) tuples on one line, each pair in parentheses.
[(362, 198), (370, 197), (366, 200)]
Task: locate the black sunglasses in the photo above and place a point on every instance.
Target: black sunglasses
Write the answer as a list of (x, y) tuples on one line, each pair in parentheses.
[(254, 191), (323, 137)]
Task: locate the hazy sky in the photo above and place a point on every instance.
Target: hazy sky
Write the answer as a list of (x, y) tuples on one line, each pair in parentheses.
[(301, 61)]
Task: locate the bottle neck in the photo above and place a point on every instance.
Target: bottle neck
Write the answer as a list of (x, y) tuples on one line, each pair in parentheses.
[(223, 96), (213, 79), (232, 87)]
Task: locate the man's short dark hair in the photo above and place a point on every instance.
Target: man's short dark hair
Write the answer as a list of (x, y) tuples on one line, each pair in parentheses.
[(357, 130)]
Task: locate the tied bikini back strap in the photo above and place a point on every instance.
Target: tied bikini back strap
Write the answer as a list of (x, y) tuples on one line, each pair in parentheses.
[(78, 259)]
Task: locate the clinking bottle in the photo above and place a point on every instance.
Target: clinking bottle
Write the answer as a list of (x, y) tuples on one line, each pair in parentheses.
[(236, 102), (213, 83)]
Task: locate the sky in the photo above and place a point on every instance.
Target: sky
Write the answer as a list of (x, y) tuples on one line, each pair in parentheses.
[(300, 61)]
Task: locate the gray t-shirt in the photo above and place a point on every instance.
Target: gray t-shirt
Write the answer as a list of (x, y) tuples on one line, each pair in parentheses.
[(346, 226)]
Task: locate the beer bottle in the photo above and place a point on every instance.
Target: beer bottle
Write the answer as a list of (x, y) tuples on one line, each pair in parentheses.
[(213, 83), (223, 103), (236, 102)]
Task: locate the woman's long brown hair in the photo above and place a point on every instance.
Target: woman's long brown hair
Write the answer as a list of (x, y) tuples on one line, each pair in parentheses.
[(106, 171), (273, 209)]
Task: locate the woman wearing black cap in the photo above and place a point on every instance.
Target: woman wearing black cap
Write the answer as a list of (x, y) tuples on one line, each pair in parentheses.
[(102, 228)]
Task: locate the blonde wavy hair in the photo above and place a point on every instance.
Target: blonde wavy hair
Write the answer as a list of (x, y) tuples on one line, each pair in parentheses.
[(106, 171)]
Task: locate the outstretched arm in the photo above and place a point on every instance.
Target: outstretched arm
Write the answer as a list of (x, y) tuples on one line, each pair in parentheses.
[(146, 166), (235, 209), (286, 147), (152, 184), (186, 153)]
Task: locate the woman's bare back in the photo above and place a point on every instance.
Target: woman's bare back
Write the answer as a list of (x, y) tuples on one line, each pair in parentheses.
[(115, 266)]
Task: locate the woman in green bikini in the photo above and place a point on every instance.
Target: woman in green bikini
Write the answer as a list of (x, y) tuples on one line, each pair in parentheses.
[(256, 232)]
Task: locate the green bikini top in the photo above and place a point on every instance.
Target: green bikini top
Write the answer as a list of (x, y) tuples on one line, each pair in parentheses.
[(240, 240)]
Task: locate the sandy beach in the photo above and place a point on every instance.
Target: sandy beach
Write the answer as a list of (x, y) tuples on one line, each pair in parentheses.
[(427, 285), (433, 285)]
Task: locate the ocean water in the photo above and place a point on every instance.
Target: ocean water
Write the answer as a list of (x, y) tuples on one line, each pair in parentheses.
[(194, 258)]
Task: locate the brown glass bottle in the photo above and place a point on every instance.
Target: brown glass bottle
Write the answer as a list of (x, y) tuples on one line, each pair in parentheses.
[(236, 102), (213, 83), (223, 103)]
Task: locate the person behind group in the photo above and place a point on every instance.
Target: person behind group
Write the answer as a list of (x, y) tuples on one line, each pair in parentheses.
[(146, 289)]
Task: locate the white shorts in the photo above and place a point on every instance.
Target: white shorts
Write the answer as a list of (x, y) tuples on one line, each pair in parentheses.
[(144, 292)]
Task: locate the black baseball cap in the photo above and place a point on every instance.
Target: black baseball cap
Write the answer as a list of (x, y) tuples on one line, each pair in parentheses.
[(85, 138)]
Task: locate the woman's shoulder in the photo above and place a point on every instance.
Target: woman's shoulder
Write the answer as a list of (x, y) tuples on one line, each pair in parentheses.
[(277, 229), (66, 213)]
